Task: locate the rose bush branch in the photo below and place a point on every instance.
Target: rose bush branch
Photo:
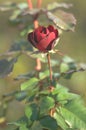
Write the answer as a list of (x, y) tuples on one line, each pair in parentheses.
[(49, 64), (39, 2), (30, 4)]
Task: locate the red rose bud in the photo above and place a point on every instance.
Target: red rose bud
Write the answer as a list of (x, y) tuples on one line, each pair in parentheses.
[(43, 38)]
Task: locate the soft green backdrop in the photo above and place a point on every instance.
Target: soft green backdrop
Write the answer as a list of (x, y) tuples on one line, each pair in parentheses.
[(72, 44)]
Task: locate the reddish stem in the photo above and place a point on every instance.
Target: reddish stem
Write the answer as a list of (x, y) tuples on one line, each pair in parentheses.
[(38, 64), (39, 2), (50, 68), (30, 4), (35, 24)]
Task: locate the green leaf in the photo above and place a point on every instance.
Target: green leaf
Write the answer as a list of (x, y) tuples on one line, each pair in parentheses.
[(71, 129), (59, 88), (26, 30), (44, 92), (64, 67), (56, 75), (67, 59), (35, 112), (23, 127), (62, 95), (33, 11), (68, 67), (74, 113), (22, 120), (72, 66), (6, 67), (30, 84), (44, 74), (25, 76), (28, 111), (54, 62), (32, 112), (20, 95), (36, 54), (36, 126), (46, 103), (49, 123), (66, 96), (15, 15), (63, 20), (68, 74), (22, 5), (60, 120), (56, 5), (20, 45)]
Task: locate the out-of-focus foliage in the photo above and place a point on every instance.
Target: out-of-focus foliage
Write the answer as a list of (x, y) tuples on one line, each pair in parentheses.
[(65, 21), (68, 108)]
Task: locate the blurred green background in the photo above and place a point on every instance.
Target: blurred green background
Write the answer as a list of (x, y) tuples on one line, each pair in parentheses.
[(71, 43)]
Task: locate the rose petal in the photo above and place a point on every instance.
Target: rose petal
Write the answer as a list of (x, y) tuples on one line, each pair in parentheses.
[(51, 28), (56, 33), (40, 33), (43, 44), (31, 39), (45, 31), (43, 38), (37, 37), (51, 45), (38, 29), (37, 34)]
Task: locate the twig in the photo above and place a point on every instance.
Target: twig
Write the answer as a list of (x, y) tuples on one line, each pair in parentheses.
[(50, 68), (30, 4), (39, 2)]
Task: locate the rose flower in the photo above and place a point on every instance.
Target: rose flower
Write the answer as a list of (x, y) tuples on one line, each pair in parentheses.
[(43, 38)]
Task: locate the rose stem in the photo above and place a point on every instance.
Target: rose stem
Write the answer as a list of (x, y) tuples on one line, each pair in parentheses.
[(51, 88), (49, 64), (39, 2), (30, 4), (31, 7)]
